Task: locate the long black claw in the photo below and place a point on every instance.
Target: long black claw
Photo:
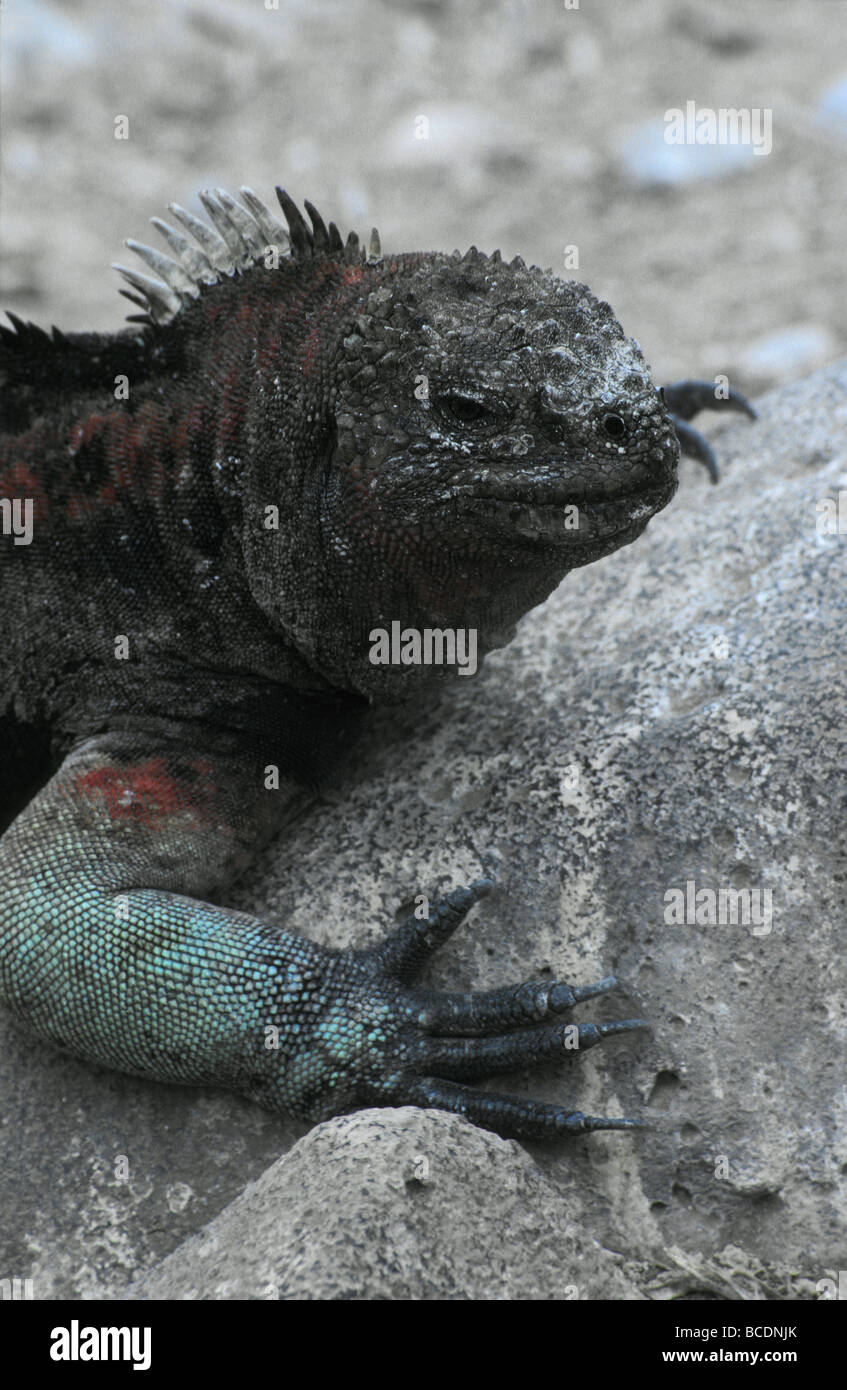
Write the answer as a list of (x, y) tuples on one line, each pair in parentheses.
[(691, 442), (736, 401), (509, 1116), (590, 1034), (685, 399), (592, 1122), (581, 992), (470, 1059), (468, 1014), (622, 1025), (415, 940)]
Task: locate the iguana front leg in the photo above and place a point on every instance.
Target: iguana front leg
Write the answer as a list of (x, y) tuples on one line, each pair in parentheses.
[(105, 952)]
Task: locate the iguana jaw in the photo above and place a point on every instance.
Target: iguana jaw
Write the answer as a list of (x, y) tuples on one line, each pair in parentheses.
[(570, 521)]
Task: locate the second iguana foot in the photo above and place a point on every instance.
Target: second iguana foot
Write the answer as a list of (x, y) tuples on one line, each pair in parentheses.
[(685, 399)]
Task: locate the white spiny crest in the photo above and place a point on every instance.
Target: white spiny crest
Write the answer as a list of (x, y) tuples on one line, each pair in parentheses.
[(237, 237)]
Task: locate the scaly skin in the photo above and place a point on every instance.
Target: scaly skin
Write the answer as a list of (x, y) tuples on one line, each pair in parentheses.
[(422, 423)]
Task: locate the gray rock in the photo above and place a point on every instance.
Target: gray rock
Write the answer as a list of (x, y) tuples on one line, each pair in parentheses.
[(694, 688), (648, 158), (395, 1204), (673, 715), (788, 353), (102, 1175), (831, 109)]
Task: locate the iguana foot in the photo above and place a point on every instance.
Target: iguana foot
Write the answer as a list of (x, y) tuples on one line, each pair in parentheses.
[(685, 399), (451, 1038)]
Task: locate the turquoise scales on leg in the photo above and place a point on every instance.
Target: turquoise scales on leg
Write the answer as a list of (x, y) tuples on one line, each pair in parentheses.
[(109, 962)]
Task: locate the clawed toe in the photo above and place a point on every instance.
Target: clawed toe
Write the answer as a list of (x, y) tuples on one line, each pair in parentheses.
[(455, 1038), (685, 399), (509, 1116)]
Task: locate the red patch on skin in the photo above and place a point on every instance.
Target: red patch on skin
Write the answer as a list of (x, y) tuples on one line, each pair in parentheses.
[(311, 348), (232, 405), (78, 506), (146, 794), (136, 441), (185, 430), (18, 481), (84, 432), (133, 445), (270, 353)]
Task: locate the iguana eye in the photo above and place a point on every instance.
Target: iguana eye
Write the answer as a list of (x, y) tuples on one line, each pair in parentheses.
[(465, 410), (614, 426)]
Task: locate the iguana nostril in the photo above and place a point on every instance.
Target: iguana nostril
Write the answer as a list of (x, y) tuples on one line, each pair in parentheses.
[(614, 426)]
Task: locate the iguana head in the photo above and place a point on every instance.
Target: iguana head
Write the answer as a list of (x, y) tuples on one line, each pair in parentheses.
[(494, 430), (445, 436)]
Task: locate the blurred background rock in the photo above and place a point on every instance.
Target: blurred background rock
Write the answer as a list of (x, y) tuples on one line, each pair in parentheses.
[(544, 131)]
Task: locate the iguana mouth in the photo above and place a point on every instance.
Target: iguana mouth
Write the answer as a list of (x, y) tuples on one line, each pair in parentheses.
[(568, 520)]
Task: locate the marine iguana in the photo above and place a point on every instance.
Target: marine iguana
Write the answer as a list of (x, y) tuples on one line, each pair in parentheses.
[(205, 519)]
